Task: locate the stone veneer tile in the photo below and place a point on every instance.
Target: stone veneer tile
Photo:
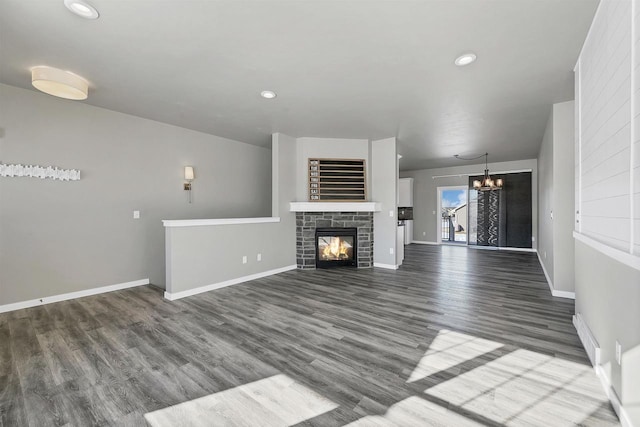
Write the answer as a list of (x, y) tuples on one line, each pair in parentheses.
[(307, 222)]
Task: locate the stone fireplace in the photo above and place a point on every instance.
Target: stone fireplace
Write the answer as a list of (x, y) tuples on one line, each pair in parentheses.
[(358, 251)]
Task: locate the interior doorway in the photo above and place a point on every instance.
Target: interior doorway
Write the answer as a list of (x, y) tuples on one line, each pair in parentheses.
[(453, 215)]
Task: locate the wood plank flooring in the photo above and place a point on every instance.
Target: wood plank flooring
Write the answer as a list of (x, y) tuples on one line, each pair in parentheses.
[(456, 337)]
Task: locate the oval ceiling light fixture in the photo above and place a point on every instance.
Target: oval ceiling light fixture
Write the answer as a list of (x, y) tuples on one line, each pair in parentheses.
[(465, 59), (60, 83), (268, 94), (82, 9)]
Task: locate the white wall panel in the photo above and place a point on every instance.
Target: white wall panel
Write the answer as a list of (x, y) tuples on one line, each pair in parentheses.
[(636, 125), (605, 81), (607, 246)]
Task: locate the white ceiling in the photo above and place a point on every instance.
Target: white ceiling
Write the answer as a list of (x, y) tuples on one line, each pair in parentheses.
[(349, 69)]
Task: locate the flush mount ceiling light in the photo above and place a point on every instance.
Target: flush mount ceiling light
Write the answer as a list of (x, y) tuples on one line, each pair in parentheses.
[(60, 83), (465, 59), (82, 9), (268, 94)]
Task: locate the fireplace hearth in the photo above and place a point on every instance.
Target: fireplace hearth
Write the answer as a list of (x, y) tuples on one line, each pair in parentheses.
[(336, 247)]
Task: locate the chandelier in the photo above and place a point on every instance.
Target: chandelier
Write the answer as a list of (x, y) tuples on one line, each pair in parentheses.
[(487, 182)]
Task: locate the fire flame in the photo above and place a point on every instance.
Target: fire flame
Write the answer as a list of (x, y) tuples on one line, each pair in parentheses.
[(337, 248)]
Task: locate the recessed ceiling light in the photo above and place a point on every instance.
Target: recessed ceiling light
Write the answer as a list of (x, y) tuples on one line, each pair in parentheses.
[(465, 59), (268, 94), (82, 9), (60, 83)]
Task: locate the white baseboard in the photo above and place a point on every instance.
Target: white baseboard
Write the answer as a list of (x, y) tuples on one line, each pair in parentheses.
[(505, 248), (589, 342), (71, 295), (554, 292), (195, 291), (625, 419), (563, 294), (422, 242), (387, 266)]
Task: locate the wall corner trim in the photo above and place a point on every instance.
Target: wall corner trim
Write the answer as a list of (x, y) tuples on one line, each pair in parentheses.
[(387, 266), (554, 292), (71, 295), (201, 289)]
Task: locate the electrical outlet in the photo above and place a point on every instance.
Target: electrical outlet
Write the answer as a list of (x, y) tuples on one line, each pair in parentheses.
[(136, 214), (424, 233), (391, 251), (618, 353), (259, 257), (244, 259), (391, 214), (434, 212)]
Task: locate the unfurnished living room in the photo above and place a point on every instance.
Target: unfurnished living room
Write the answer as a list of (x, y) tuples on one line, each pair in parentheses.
[(320, 213)]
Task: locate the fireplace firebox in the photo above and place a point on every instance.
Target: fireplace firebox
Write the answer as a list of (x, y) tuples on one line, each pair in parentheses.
[(336, 247)]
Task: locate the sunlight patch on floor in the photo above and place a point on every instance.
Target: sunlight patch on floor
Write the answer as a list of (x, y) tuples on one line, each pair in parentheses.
[(274, 401), (448, 350), (525, 387), (415, 411)]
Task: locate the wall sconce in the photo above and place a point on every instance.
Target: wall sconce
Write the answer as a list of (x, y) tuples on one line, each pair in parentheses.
[(188, 176)]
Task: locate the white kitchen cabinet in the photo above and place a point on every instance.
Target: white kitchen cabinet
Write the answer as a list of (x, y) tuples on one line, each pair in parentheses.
[(408, 232), (405, 192), (400, 245)]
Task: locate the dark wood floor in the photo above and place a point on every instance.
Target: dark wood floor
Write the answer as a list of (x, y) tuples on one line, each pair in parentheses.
[(455, 337)]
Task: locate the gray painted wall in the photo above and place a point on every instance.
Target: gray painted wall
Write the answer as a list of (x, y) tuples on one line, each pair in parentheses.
[(327, 148), (545, 199), (556, 196), (382, 181), (206, 255), (384, 187), (608, 297), (563, 196), (284, 180), (59, 237), (425, 195)]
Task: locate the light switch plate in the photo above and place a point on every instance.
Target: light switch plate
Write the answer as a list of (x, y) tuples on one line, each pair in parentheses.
[(136, 214), (244, 259)]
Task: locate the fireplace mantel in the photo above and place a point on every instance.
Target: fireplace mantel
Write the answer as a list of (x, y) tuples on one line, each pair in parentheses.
[(335, 207)]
